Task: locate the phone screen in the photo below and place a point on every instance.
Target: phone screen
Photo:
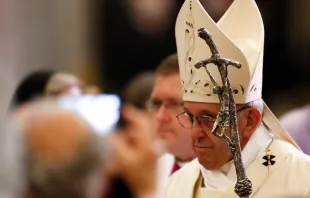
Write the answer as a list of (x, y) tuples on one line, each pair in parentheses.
[(101, 111)]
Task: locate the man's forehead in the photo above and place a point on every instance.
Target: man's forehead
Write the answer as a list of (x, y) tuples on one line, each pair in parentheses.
[(168, 80), (167, 93), (167, 88), (167, 98), (198, 108)]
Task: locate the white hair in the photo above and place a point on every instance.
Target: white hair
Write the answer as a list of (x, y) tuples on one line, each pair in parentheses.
[(258, 104)]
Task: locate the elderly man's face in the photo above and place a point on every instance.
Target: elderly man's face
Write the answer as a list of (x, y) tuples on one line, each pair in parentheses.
[(211, 151)]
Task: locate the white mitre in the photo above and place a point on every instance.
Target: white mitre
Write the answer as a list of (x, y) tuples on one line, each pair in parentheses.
[(239, 36)]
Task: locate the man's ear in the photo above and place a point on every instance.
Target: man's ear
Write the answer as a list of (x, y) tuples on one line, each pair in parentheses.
[(253, 119)]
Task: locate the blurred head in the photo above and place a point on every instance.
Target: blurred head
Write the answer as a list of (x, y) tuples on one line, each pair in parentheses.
[(46, 83), (32, 86), (62, 152), (139, 89), (212, 152), (166, 103), (149, 16)]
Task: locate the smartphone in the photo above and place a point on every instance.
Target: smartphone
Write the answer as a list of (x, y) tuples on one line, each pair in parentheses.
[(103, 111)]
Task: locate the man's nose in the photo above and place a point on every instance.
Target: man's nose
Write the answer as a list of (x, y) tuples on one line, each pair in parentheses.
[(200, 133), (196, 124), (162, 114)]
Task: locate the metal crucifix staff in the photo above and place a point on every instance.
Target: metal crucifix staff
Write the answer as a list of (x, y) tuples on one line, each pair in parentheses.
[(227, 117)]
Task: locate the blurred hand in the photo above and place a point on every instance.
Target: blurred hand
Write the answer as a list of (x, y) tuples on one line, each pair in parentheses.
[(136, 152)]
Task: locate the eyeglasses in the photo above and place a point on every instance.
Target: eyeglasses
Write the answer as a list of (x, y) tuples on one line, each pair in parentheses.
[(206, 122), (173, 106), (187, 121)]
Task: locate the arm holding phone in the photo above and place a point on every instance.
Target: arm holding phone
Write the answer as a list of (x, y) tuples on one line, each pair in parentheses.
[(136, 152)]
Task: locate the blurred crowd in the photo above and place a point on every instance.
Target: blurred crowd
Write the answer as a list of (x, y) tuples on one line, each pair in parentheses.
[(51, 151), (48, 150)]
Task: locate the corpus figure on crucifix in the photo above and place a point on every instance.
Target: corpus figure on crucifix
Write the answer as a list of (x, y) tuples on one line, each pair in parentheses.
[(227, 115)]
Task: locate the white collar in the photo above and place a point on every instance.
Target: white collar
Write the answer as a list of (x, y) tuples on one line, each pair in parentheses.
[(181, 164), (223, 178)]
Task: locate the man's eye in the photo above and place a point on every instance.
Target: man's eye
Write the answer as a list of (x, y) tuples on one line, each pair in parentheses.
[(189, 115), (156, 104), (173, 103)]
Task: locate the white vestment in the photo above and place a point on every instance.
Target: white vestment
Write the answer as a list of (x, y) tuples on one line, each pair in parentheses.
[(289, 177), (164, 167)]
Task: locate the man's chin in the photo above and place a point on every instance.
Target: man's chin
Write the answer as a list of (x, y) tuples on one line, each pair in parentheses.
[(162, 146), (164, 134), (167, 146), (207, 164)]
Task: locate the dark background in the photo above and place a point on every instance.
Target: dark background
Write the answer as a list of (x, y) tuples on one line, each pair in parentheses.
[(124, 51)]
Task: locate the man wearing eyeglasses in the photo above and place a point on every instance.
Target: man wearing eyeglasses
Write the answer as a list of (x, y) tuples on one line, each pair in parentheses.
[(165, 104), (271, 159)]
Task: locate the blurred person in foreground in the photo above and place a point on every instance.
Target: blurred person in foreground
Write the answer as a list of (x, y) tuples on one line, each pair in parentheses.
[(61, 152), (47, 83), (47, 151), (296, 122), (271, 159), (165, 104)]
